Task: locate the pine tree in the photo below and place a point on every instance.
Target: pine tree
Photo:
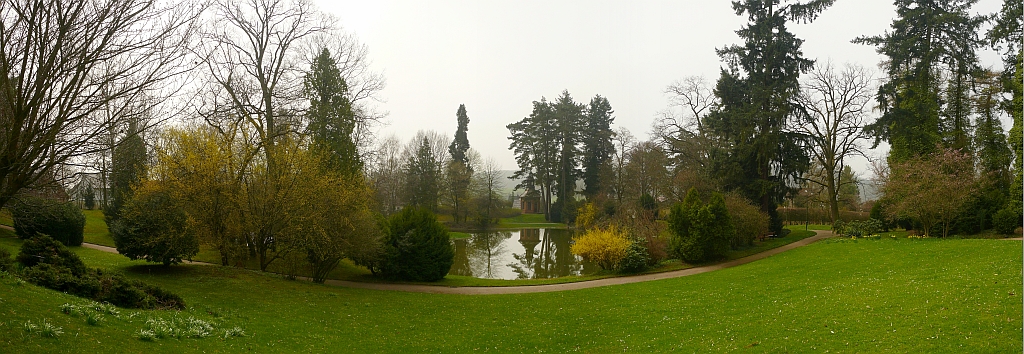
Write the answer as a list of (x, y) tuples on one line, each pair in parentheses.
[(757, 100), (569, 121), (460, 145), (460, 172), (926, 35), (597, 144), (128, 168), (536, 149), (421, 180), (330, 115)]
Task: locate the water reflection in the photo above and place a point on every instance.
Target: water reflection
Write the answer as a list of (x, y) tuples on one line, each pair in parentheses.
[(523, 254)]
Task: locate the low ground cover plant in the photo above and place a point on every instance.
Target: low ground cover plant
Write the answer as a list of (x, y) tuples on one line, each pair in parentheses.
[(48, 263)]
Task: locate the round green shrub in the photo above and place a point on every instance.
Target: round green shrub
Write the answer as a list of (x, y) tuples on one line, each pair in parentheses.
[(62, 221), (1005, 221), (417, 248), (152, 227), (636, 258)]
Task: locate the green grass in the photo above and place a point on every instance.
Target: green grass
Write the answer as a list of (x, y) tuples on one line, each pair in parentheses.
[(96, 229), (884, 295), (5, 217), (455, 235), (528, 221)]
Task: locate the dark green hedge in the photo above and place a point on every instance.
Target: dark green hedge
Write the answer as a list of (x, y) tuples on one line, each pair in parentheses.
[(62, 221)]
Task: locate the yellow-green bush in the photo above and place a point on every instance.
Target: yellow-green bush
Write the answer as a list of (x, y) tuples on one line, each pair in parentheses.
[(606, 247)]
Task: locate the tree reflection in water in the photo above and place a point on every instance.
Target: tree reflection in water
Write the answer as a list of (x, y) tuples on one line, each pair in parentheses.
[(523, 254)]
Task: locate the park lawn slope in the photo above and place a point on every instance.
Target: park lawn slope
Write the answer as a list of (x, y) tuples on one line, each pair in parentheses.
[(884, 295)]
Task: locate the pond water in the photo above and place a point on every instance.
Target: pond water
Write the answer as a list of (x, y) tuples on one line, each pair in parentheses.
[(522, 254)]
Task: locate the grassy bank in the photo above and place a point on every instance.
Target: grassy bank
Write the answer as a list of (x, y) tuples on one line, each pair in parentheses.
[(885, 295)]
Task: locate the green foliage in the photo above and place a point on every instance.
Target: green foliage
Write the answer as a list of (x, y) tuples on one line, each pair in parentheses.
[(152, 227), (128, 168), (417, 248), (747, 220), (422, 178), (89, 197), (43, 249), (62, 221), (1006, 220), (331, 118), (700, 232), (6, 262), (857, 228), (50, 264), (597, 144), (460, 145), (911, 96), (636, 259), (460, 172), (756, 95), (647, 202)]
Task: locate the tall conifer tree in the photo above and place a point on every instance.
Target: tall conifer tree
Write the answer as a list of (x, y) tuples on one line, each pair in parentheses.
[(757, 93)]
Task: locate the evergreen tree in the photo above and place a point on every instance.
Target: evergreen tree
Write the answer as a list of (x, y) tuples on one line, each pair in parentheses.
[(994, 156), (331, 119), (460, 145), (756, 95), (459, 170), (536, 151), (128, 168), (926, 35), (597, 144), (1007, 36), (569, 119), (421, 180)]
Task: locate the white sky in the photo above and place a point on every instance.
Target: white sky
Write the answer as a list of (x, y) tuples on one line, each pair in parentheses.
[(497, 57)]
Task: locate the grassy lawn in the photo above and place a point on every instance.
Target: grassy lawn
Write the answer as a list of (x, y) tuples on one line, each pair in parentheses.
[(885, 295), (528, 221), (5, 217), (455, 235), (96, 228)]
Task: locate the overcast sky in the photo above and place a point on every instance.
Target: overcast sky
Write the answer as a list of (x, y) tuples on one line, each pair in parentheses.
[(497, 57)]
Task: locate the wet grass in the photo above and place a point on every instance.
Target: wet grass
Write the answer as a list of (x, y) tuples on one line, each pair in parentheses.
[(881, 295)]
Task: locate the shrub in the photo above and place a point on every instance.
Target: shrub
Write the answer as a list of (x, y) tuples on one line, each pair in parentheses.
[(62, 221), (6, 262), (104, 287), (417, 248), (747, 220), (636, 258), (50, 264), (152, 227), (700, 232), (1005, 221), (586, 216), (606, 247), (43, 249)]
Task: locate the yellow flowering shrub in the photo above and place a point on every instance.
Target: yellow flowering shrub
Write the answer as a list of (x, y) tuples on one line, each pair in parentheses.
[(606, 247)]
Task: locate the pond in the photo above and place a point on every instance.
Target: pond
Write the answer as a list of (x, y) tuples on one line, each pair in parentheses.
[(522, 254)]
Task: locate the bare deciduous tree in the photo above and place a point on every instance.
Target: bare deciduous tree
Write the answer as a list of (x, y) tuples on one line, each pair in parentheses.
[(69, 71), (836, 105)]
